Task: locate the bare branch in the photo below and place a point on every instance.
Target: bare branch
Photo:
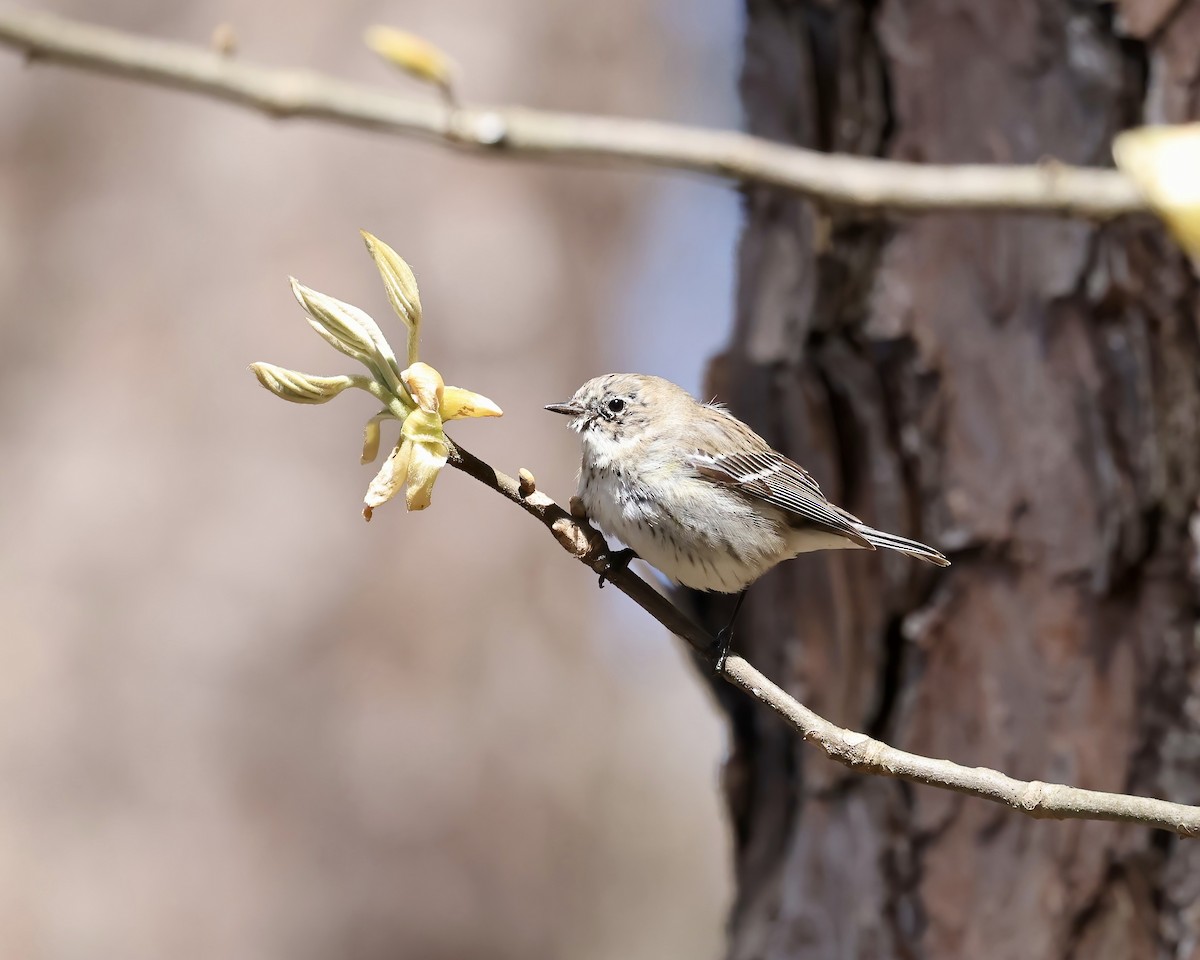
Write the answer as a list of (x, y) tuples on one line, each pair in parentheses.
[(856, 750), (1052, 801), (585, 544), (834, 178)]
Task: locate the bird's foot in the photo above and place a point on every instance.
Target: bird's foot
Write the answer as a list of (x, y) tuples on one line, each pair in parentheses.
[(615, 563), (724, 646), (725, 636)]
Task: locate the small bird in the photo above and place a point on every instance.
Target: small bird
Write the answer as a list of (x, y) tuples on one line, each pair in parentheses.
[(696, 493)]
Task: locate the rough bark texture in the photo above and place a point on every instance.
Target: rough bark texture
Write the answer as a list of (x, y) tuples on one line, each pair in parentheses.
[(1022, 392)]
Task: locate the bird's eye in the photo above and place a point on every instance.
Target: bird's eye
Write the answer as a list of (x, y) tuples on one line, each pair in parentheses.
[(615, 405)]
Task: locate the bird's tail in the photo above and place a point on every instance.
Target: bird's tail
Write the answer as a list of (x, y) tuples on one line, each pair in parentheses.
[(910, 547)]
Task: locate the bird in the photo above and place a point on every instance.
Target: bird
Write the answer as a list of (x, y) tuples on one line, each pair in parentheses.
[(696, 493)]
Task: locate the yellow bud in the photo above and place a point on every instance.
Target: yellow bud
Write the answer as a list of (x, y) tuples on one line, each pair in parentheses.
[(1164, 163), (425, 385), (457, 403), (412, 54)]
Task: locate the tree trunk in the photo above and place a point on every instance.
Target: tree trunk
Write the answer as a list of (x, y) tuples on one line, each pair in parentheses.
[(1022, 392)]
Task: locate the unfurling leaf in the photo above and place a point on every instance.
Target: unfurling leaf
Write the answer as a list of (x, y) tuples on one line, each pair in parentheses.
[(425, 385), (401, 288), (1164, 163), (428, 458), (412, 54), (390, 479), (299, 387), (371, 436), (457, 402), (350, 330), (429, 453), (423, 426)]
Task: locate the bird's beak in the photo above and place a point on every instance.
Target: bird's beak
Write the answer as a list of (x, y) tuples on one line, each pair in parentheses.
[(572, 408)]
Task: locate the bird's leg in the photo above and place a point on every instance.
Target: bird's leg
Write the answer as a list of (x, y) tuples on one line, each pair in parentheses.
[(725, 636), (616, 562)]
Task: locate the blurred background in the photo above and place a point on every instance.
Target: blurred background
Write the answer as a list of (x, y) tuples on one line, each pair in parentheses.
[(234, 722)]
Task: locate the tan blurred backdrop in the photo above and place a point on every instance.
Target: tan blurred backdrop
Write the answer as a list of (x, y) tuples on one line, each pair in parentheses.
[(235, 722)]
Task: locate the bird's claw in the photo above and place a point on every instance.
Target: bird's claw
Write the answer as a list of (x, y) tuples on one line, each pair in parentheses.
[(614, 563), (725, 635), (724, 646)]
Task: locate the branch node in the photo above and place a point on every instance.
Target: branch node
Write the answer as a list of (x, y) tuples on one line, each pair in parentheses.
[(1032, 797), (528, 485), (571, 536), (224, 40), (490, 129)]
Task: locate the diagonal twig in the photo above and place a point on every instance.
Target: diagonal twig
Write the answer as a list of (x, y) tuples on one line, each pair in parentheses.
[(856, 750), (863, 182)]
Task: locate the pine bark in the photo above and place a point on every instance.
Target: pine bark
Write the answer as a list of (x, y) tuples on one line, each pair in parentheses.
[(1022, 392)]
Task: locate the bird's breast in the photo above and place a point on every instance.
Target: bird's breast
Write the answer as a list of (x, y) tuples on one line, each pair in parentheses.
[(694, 532), (617, 500)]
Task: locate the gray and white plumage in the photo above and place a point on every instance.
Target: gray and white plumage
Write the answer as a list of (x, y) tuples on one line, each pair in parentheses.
[(697, 493)]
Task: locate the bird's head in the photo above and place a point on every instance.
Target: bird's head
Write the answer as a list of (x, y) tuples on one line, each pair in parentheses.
[(617, 409)]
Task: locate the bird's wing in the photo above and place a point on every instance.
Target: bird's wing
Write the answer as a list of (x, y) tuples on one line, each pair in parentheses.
[(772, 478)]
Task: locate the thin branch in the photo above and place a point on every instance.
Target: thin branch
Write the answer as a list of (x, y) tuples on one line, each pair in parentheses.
[(584, 542), (856, 750), (834, 178)]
